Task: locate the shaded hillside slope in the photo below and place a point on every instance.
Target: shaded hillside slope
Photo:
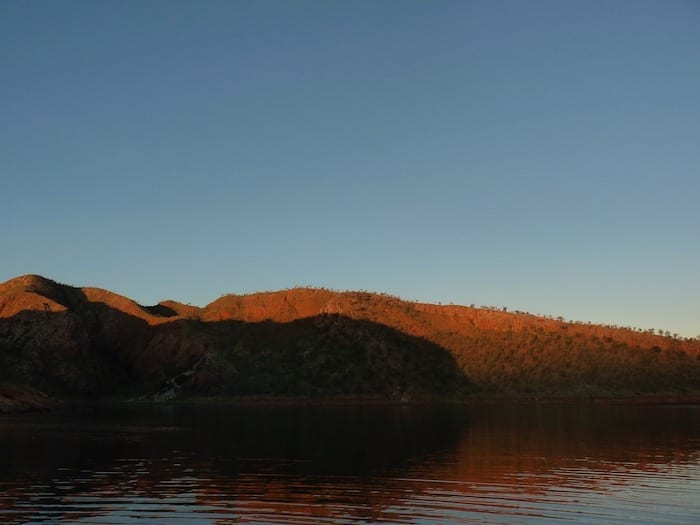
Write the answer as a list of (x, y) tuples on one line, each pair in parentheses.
[(70, 341), (84, 342), (500, 351)]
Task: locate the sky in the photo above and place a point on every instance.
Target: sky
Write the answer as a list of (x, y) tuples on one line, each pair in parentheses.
[(540, 155)]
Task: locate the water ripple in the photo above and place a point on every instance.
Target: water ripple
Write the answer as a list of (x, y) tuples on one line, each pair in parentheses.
[(172, 475)]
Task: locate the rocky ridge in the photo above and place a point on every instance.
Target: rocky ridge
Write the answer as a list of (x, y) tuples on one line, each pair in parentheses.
[(304, 342)]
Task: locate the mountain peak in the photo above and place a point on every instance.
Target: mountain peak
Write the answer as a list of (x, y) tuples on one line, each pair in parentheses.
[(27, 281), (39, 285)]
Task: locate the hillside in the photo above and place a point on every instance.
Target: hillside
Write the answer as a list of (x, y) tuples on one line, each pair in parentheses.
[(500, 351), (78, 342)]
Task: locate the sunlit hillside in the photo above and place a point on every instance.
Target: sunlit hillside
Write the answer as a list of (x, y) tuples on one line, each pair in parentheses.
[(307, 342)]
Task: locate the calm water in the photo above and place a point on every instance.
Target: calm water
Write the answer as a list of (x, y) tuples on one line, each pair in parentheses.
[(202, 465)]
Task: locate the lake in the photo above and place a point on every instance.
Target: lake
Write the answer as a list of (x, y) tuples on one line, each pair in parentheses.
[(205, 464)]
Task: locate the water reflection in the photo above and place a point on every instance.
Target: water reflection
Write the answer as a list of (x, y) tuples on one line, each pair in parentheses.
[(352, 464)]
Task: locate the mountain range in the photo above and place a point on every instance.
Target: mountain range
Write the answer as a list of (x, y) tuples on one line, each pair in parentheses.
[(59, 341)]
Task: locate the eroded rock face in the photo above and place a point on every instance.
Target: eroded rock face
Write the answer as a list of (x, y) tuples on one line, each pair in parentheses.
[(53, 339), (50, 351)]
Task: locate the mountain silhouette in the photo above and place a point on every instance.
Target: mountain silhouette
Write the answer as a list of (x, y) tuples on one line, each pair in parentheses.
[(65, 341)]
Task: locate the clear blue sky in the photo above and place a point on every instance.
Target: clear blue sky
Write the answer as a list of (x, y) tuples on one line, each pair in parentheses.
[(540, 155)]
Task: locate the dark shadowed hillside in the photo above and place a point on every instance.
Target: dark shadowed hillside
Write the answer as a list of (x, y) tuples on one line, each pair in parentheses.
[(500, 351), (68, 341)]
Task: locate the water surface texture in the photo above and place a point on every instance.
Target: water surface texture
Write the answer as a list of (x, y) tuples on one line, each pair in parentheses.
[(218, 464)]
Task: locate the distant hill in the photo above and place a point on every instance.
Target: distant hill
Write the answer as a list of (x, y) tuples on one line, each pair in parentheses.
[(304, 342)]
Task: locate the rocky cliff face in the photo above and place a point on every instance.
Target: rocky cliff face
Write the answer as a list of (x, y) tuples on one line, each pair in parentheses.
[(69, 341), (76, 342)]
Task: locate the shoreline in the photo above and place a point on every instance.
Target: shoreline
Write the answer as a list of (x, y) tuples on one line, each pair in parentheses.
[(476, 399), (37, 402)]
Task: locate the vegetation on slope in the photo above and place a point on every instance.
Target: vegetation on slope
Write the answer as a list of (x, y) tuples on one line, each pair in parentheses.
[(504, 352), (328, 355), (317, 343)]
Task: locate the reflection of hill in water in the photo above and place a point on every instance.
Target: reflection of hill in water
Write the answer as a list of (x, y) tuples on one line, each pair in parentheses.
[(335, 439), (301, 464), (505, 441)]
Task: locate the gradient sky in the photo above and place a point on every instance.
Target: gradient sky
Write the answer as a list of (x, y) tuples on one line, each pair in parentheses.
[(539, 155)]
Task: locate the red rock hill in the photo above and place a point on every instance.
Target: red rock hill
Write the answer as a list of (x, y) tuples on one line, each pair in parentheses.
[(316, 342)]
